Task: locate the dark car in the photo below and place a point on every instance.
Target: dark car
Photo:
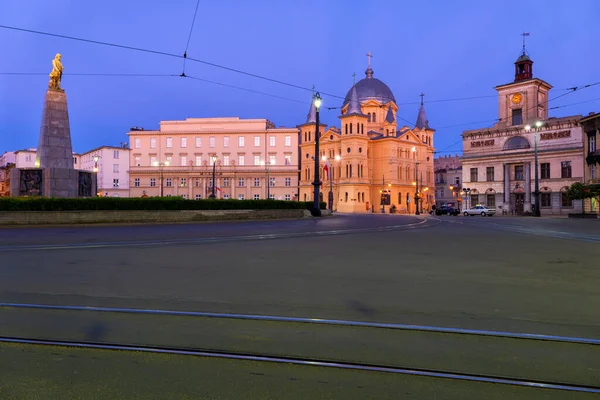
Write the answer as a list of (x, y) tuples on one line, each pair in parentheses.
[(446, 210)]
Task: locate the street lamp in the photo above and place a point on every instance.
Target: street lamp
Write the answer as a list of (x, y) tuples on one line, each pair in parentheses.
[(160, 169), (536, 193), (330, 196), (414, 150), (316, 211), (466, 192), (96, 158), (214, 159), (266, 164)]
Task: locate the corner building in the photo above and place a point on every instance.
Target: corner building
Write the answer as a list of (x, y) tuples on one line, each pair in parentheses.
[(254, 159), (499, 162), (369, 154)]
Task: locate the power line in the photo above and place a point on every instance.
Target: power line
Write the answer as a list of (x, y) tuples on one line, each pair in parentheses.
[(166, 54), (190, 35), (87, 74)]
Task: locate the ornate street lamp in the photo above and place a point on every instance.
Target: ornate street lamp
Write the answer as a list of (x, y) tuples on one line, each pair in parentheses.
[(214, 159), (316, 210), (160, 169)]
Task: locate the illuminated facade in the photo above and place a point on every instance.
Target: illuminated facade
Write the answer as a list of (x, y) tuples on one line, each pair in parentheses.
[(369, 154)]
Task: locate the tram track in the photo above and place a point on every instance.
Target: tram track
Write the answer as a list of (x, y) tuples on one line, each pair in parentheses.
[(511, 358)]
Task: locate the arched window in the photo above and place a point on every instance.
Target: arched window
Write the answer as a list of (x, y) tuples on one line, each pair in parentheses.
[(350, 127), (346, 197), (346, 170), (399, 198), (346, 128), (350, 170), (304, 196), (362, 129), (374, 117), (516, 142), (369, 117)]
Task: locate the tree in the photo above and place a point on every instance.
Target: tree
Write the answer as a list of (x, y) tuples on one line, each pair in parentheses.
[(581, 191)]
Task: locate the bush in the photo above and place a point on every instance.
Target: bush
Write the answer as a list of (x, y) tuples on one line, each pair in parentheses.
[(150, 203)]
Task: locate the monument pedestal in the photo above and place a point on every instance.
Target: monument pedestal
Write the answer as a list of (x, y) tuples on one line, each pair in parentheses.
[(54, 144), (52, 182)]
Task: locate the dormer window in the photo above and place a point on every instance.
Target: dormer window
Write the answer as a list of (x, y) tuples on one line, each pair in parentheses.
[(517, 116)]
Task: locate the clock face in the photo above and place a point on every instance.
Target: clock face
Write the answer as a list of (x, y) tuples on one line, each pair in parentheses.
[(516, 98)]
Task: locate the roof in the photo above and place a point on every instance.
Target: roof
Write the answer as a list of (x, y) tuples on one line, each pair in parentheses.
[(370, 88), (390, 116), (523, 57), (311, 117), (354, 103), (422, 122)]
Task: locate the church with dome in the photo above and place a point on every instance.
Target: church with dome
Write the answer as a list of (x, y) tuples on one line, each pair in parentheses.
[(371, 162)]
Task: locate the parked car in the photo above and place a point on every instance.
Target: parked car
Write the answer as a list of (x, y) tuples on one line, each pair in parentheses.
[(480, 210), (446, 210)]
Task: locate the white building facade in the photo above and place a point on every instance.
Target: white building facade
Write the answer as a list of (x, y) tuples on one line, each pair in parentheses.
[(112, 166)]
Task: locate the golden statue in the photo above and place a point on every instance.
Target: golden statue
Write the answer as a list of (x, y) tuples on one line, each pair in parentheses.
[(56, 74)]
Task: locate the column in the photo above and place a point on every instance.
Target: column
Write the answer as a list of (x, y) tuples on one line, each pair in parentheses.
[(528, 183), (507, 184)]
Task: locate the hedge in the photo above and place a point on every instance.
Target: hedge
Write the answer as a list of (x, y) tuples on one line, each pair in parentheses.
[(150, 203)]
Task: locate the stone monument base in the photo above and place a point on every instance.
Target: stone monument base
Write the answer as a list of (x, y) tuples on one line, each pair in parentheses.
[(52, 182)]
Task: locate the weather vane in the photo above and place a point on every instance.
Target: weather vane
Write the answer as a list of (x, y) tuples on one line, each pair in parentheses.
[(524, 34)]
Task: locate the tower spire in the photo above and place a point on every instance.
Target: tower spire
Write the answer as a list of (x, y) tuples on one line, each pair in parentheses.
[(369, 71), (422, 122), (524, 34)]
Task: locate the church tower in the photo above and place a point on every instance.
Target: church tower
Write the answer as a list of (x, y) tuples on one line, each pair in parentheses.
[(525, 100)]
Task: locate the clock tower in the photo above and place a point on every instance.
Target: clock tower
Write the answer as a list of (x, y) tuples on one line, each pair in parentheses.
[(525, 100)]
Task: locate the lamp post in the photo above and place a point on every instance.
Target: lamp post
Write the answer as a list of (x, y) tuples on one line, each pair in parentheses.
[(316, 211), (330, 196), (536, 191), (214, 161), (96, 158), (266, 165), (160, 169), (414, 150), (466, 191)]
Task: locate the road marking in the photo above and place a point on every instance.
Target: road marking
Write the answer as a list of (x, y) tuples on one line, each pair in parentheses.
[(311, 362), (217, 239), (322, 321)]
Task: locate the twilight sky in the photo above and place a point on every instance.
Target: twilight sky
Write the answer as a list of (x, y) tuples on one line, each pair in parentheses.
[(445, 49)]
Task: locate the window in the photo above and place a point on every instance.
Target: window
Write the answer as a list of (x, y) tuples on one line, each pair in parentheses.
[(198, 197), (183, 182), (288, 159), (272, 159), (241, 182), (226, 159), (211, 141), (197, 182), (545, 170), (116, 154), (153, 160), (116, 168), (592, 171), (288, 181), (152, 143), (137, 161), (489, 172), (183, 161), (241, 141), (256, 160), (517, 116), (546, 199), (516, 142), (169, 182), (137, 143), (241, 196), (288, 197), (491, 200), (241, 160), (271, 196), (272, 141), (226, 141), (256, 181), (225, 182), (183, 142), (566, 200), (374, 117), (565, 169), (212, 159), (226, 196), (152, 182), (198, 142), (136, 182), (271, 181), (288, 141), (184, 196), (169, 142), (519, 173), (473, 174), (256, 197), (198, 161), (115, 183), (474, 200), (169, 160), (210, 183), (441, 192), (591, 143), (456, 180), (256, 141)]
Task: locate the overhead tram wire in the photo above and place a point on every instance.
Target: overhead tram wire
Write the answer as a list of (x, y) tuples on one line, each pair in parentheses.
[(189, 37), (167, 54), (160, 75)]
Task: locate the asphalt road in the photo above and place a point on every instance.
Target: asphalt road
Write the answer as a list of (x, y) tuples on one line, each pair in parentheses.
[(510, 274)]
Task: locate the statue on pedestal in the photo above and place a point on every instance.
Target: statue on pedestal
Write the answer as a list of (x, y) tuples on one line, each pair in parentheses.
[(56, 74)]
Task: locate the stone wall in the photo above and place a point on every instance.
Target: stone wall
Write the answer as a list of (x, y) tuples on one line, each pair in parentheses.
[(162, 216)]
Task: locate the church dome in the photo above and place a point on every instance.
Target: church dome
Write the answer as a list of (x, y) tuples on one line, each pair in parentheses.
[(371, 88)]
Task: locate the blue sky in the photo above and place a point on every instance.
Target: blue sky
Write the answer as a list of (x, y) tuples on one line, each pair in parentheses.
[(445, 49)]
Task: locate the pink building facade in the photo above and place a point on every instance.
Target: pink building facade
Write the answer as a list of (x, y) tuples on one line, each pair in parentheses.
[(253, 159)]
